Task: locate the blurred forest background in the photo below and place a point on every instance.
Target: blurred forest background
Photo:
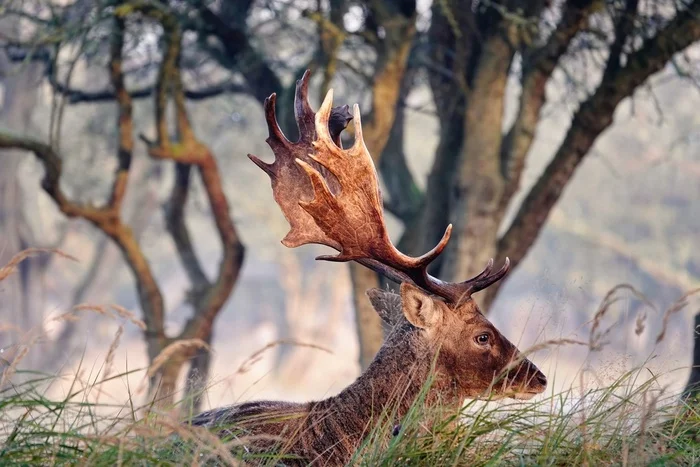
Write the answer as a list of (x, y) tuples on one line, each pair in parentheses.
[(563, 134)]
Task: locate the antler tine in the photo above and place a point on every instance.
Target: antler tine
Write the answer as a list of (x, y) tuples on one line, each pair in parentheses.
[(486, 278), (331, 196), (275, 138), (290, 184), (484, 273), (303, 113), (323, 116), (424, 260), (359, 144)]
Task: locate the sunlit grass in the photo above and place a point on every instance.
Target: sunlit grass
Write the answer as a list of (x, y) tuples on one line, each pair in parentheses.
[(623, 424), (631, 421)]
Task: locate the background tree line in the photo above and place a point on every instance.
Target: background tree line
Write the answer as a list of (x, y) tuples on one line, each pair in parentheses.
[(378, 53)]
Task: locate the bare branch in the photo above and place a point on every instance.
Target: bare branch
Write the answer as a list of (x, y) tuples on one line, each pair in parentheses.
[(107, 218), (188, 150), (538, 66), (232, 36), (593, 117), (175, 221), (77, 96), (125, 121)]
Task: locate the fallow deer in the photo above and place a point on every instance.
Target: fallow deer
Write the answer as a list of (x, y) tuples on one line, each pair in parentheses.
[(331, 196)]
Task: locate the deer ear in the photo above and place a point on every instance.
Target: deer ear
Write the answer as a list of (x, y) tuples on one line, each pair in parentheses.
[(387, 304), (418, 307)]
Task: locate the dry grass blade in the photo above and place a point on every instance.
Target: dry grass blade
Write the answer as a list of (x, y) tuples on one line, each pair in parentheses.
[(596, 336), (11, 266), (184, 345), (10, 370), (255, 356), (677, 306), (119, 311), (129, 316), (99, 309), (537, 347), (109, 359), (202, 437), (640, 324)]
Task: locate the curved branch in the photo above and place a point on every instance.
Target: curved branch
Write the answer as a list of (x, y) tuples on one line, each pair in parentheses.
[(538, 66), (175, 222), (107, 218), (188, 150), (77, 96), (593, 117), (233, 39)]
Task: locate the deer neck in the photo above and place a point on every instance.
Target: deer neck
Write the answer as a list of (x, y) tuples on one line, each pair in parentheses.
[(389, 386)]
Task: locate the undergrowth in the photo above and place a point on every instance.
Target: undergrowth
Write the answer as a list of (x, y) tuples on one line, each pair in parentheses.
[(632, 421), (623, 424)]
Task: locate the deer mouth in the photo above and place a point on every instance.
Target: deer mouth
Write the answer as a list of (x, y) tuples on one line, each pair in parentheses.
[(525, 396)]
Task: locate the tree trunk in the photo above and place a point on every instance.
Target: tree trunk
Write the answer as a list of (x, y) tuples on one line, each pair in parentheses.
[(391, 69), (164, 383), (23, 292), (369, 325), (692, 388), (592, 118), (479, 183), (197, 378)]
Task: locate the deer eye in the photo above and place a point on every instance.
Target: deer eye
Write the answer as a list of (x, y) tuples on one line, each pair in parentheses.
[(482, 339)]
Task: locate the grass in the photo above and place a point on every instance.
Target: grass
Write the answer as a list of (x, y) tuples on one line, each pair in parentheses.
[(632, 421), (623, 424), (627, 423)]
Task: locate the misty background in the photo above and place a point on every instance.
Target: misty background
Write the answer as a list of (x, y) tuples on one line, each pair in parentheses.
[(629, 215)]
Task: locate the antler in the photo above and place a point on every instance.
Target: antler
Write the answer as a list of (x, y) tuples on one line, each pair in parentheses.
[(331, 196)]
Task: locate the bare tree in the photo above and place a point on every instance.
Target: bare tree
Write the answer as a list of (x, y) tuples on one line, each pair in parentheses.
[(207, 295), (380, 51), (482, 165), (24, 292)]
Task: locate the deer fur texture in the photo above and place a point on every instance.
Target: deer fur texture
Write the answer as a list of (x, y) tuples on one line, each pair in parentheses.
[(328, 432), (331, 196)]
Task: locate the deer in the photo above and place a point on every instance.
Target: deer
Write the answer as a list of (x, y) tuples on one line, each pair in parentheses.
[(331, 196)]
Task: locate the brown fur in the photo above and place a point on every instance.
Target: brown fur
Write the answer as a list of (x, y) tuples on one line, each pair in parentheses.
[(331, 196), (328, 432)]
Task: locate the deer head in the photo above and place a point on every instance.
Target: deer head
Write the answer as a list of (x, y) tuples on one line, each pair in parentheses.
[(474, 360), (331, 196)]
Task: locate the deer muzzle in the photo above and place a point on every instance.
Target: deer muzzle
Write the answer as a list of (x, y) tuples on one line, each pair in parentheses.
[(525, 381)]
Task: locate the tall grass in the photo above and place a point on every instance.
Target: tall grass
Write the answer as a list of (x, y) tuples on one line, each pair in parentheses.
[(623, 424), (632, 421)]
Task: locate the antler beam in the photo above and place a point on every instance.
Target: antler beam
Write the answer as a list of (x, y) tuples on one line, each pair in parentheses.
[(331, 196)]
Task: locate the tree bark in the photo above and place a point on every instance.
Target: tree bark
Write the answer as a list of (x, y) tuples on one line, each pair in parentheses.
[(593, 117), (478, 187), (22, 293), (692, 388), (452, 46), (207, 298), (163, 387), (538, 65), (197, 378)]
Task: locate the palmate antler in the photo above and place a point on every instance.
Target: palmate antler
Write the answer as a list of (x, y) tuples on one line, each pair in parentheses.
[(331, 196)]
